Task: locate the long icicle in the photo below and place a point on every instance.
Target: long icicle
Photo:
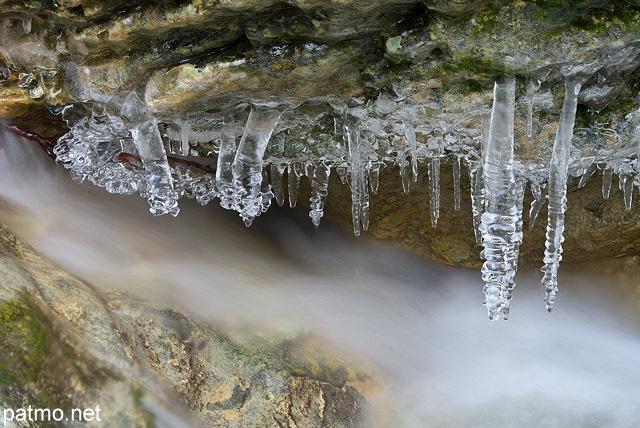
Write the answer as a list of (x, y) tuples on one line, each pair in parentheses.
[(434, 187), (514, 249), (500, 237), (359, 193), (558, 170), (477, 197), (456, 183)]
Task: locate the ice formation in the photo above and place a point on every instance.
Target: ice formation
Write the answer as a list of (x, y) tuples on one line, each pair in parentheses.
[(500, 235), (264, 151), (557, 193)]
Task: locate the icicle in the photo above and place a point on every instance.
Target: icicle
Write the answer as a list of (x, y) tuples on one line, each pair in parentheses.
[(224, 174), (359, 194), (403, 164), (374, 176), (539, 197), (477, 199), (456, 183), (410, 134), (184, 137), (276, 182), (146, 137), (586, 174), (434, 190), (294, 171), (500, 237), (532, 86), (626, 185), (607, 178), (319, 191), (558, 170), (247, 164), (514, 248)]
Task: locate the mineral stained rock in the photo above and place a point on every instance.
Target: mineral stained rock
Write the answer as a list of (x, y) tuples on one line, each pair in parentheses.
[(415, 78), (65, 345)]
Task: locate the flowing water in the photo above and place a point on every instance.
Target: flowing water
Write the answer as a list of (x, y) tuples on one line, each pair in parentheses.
[(421, 324)]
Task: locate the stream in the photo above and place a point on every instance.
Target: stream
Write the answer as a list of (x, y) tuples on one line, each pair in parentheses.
[(420, 324)]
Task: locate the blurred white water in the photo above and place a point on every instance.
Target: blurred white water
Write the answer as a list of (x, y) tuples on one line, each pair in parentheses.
[(422, 325)]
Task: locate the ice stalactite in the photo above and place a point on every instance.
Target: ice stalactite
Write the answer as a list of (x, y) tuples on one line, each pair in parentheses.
[(557, 187), (224, 174), (514, 248), (500, 237), (477, 197), (456, 183), (607, 178), (587, 174), (294, 172), (626, 185), (160, 193), (403, 165), (532, 86), (410, 134), (434, 183), (359, 193), (247, 164), (539, 191), (319, 190), (374, 176), (277, 171)]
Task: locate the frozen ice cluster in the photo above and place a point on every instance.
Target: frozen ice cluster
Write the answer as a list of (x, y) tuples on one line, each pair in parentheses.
[(246, 153), (125, 151)]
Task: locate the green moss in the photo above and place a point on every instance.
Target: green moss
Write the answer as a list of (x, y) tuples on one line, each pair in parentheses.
[(26, 375), (590, 15)]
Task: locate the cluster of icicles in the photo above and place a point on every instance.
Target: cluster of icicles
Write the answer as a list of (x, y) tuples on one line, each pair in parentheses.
[(126, 153)]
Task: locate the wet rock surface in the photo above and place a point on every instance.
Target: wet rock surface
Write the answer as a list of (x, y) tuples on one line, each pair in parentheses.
[(66, 345)]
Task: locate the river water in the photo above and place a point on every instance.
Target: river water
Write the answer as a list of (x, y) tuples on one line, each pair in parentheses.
[(421, 325)]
